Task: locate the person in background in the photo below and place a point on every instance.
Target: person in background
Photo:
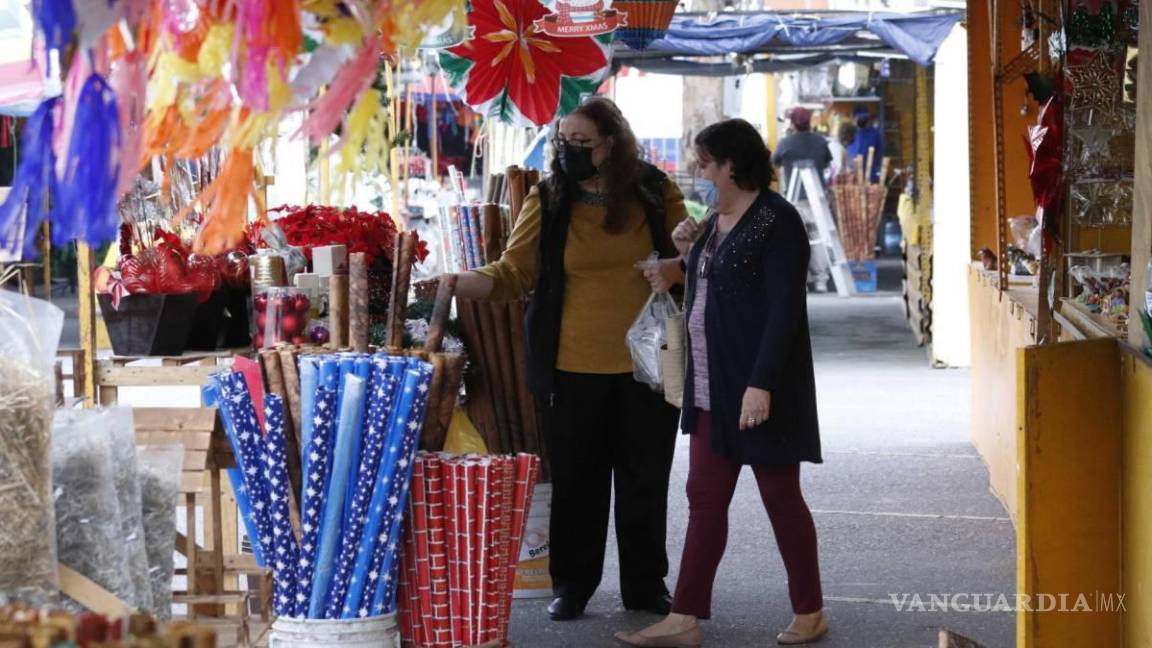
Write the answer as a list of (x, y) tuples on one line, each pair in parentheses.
[(839, 146), (574, 252), (867, 137), (801, 145), (749, 387)]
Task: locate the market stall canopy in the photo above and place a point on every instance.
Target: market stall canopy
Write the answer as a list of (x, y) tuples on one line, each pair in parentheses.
[(916, 36)]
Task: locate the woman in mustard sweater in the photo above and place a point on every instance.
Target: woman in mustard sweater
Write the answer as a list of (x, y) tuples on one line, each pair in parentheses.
[(574, 250)]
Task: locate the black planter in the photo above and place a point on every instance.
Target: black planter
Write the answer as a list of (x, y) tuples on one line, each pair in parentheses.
[(148, 325), (236, 332), (207, 322)]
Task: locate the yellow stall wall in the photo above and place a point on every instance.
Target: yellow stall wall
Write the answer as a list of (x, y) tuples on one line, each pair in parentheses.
[(1001, 324), (1068, 521), (1136, 386)]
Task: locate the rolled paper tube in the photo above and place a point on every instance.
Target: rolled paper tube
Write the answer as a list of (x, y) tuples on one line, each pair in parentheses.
[(492, 371), (385, 595), (401, 283), (290, 368), (516, 191), (246, 446), (351, 410), (453, 532), (480, 405), (432, 436), (363, 371), (524, 396), (309, 381), (438, 569), (454, 364), (383, 389), (441, 309), (316, 482), (286, 556), (509, 554), (493, 234), (503, 335), (338, 310), (210, 394), (358, 322), (381, 533)]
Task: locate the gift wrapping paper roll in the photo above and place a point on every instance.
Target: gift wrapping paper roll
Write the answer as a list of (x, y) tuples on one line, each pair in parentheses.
[(338, 310), (358, 322)]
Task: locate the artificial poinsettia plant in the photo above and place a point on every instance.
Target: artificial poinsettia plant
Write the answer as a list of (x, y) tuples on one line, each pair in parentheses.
[(373, 233)]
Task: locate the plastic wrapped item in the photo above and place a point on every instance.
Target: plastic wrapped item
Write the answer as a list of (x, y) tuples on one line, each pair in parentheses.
[(88, 528), (646, 338), (127, 470), (160, 468), (28, 532), (1026, 234), (29, 332), (1105, 289), (280, 315)]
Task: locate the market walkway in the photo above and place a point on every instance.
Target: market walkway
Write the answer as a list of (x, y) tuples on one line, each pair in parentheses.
[(901, 505)]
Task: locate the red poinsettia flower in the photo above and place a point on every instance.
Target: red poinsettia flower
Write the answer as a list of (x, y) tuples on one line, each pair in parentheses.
[(510, 57)]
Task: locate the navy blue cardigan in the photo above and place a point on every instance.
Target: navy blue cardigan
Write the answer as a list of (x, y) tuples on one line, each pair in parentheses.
[(756, 318)]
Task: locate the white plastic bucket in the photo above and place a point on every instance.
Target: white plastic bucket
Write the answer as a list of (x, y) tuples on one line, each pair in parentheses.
[(373, 632), (532, 578)]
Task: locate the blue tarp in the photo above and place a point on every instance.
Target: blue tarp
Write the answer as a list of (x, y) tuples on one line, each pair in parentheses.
[(916, 35)]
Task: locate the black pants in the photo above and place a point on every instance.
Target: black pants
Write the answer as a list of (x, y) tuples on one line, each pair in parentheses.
[(604, 428)]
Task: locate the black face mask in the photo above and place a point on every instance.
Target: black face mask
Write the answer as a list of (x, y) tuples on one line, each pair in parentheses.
[(576, 161)]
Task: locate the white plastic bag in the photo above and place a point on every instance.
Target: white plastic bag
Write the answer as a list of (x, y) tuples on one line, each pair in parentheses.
[(646, 338)]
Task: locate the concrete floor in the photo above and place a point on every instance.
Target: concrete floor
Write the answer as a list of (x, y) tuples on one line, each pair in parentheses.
[(901, 505)]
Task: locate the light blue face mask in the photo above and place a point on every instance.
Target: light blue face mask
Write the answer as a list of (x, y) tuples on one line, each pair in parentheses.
[(707, 192)]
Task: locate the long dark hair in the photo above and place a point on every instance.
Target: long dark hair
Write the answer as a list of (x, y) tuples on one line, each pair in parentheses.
[(621, 170), (738, 142)]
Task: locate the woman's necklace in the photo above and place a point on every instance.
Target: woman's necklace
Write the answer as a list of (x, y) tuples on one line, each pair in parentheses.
[(593, 198)]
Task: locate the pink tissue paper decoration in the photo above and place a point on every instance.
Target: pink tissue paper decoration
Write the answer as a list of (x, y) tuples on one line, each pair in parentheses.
[(129, 80), (354, 79)]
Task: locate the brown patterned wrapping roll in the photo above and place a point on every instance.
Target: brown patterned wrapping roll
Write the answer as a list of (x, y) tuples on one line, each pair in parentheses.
[(358, 323), (440, 311), (516, 191), (449, 391), (432, 436), (274, 378), (493, 233), (524, 396), (503, 335), (338, 311), (290, 370), (401, 284), (481, 409)]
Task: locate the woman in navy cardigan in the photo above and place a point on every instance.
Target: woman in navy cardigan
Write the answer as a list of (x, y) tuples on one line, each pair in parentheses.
[(750, 392)]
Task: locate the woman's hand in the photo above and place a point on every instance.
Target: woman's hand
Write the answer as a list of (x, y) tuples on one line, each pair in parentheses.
[(685, 235), (663, 275), (756, 408)]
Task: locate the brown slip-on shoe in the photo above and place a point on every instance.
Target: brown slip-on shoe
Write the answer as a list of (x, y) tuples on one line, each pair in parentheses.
[(793, 638), (690, 638)]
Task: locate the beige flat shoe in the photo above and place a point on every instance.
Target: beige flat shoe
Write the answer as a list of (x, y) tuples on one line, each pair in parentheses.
[(690, 638), (793, 638)]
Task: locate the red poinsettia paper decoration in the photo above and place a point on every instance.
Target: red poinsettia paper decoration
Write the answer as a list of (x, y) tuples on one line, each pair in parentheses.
[(372, 233), (510, 71)]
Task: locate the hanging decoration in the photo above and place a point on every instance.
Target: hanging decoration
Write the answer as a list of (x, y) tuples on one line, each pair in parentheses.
[(1046, 151), (509, 71), (581, 18), (1095, 81), (648, 21)]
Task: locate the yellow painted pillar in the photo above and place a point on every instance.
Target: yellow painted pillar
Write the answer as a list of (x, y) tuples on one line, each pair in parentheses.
[(770, 119), (87, 298)]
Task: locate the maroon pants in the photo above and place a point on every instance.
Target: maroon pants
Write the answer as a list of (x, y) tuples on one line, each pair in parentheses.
[(711, 483)]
